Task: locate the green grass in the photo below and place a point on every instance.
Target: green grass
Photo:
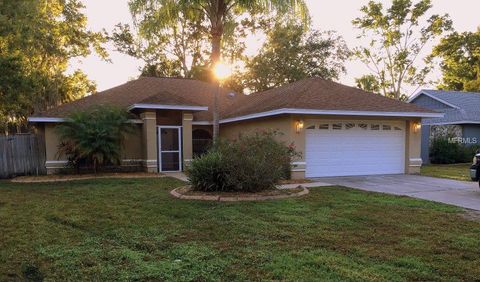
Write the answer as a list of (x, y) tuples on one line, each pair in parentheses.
[(450, 171), (121, 229)]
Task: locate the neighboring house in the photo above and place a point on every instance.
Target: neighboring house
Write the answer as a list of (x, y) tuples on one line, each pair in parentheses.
[(338, 130), (461, 120)]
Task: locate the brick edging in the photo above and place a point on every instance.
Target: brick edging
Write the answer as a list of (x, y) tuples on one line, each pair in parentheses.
[(219, 198)]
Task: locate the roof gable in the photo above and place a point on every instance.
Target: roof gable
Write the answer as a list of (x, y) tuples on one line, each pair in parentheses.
[(464, 106)]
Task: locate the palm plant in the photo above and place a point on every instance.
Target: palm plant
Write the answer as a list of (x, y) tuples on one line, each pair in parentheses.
[(218, 14), (95, 135)]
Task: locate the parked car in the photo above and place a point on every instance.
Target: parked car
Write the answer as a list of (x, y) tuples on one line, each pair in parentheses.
[(475, 168)]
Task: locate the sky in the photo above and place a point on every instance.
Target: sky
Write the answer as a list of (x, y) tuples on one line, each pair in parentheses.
[(326, 15)]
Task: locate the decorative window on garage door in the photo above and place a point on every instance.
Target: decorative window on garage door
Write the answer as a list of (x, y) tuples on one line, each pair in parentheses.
[(337, 126), (355, 126), (324, 126)]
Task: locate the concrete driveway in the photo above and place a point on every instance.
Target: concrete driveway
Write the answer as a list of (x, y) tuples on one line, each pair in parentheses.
[(458, 193)]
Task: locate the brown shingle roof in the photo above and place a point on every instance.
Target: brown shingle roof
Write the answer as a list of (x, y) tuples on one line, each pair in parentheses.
[(318, 94), (165, 91), (313, 93)]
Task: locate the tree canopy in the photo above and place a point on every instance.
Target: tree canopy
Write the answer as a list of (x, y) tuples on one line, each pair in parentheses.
[(37, 40), (197, 33), (397, 35), (292, 53), (460, 55)]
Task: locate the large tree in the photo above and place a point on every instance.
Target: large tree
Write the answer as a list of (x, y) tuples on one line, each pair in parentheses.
[(218, 13), (221, 17), (292, 53), (177, 49), (460, 54), (37, 40), (397, 36)]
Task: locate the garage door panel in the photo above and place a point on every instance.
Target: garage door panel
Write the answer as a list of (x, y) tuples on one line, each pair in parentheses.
[(355, 151)]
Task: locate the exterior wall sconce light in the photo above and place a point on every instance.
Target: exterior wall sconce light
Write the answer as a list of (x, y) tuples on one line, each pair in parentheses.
[(416, 127), (298, 126)]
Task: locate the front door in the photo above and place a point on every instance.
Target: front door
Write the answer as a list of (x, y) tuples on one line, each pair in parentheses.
[(170, 148)]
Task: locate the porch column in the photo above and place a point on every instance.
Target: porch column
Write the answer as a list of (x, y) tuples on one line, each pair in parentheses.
[(413, 159), (187, 148), (149, 140)]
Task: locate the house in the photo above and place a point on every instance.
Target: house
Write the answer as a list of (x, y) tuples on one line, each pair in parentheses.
[(338, 130), (461, 120)]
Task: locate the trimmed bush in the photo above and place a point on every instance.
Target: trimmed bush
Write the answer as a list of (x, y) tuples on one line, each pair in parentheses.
[(254, 162), (444, 152), (208, 172)]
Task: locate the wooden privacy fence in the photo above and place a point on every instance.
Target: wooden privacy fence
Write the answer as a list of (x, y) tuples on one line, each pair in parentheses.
[(22, 154)]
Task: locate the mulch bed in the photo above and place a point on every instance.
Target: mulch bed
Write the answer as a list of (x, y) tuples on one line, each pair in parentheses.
[(186, 193), (72, 177)]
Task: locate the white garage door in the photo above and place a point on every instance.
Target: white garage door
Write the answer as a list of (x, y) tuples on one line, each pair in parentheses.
[(341, 148)]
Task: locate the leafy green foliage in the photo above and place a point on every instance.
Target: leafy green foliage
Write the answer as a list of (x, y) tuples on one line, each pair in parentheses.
[(442, 151), (368, 83), (94, 135), (460, 54), (37, 40), (397, 35), (176, 49), (254, 162), (292, 53), (177, 33), (209, 172)]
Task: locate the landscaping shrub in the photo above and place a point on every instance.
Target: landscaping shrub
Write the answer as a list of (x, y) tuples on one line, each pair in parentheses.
[(444, 152), (94, 137), (208, 172), (254, 162)]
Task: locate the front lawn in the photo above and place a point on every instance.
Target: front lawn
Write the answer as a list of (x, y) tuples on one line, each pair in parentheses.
[(450, 171), (132, 229)]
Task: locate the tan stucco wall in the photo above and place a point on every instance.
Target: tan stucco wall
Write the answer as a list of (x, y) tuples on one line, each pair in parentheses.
[(187, 147), (413, 140), (149, 140), (132, 147)]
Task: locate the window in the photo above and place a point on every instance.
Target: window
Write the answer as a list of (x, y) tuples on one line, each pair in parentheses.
[(337, 126), (311, 127), (363, 126), (324, 126), (397, 128), (349, 125), (386, 127), (375, 127)]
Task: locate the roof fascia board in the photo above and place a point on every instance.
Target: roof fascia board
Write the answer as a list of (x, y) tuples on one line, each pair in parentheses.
[(433, 97), (58, 120), (452, 122), (331, 112), (45, 119), (201, 122), (167, 107)]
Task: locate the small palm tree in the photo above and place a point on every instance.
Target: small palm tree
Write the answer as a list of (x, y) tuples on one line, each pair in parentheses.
[(95, 135)]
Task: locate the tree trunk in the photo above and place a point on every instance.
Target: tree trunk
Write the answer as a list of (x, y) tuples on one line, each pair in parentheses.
[(216, 33), (216, 15)]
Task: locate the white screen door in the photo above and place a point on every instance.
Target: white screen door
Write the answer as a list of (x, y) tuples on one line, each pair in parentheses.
[(170, 148)]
